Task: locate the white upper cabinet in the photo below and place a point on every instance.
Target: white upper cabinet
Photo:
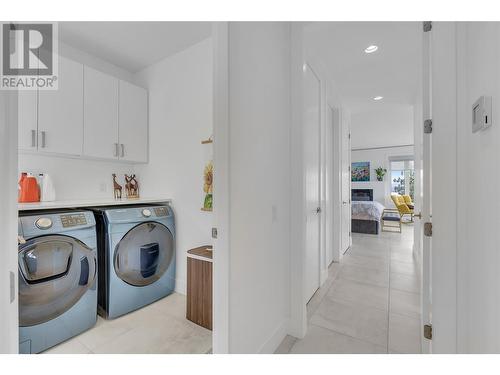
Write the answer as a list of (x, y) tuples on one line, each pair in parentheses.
[(27, 119), (60, 112), (91, 114), (100, 128), (133, 119)]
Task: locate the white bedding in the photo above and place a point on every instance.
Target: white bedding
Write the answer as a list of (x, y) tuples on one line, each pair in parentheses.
[(366, 210)]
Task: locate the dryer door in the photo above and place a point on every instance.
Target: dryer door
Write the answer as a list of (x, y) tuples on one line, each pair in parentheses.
[(144, 254), (54, 272)]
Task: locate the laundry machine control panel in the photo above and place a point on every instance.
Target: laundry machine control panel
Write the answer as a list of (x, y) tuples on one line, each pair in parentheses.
[(72, 220), (161, 211)]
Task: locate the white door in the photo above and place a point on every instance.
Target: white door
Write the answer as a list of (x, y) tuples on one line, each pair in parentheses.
[(346, 183), (426, 201), (27, 120), (312, 107), (329, 188), (133, 123), (60, 112), (100, 134)]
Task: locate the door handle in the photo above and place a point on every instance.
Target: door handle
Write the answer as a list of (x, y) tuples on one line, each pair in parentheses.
[(43, 138), (419, 215), (116, 149), (123, 150), (344, 202), (318, 210), (33, 138)]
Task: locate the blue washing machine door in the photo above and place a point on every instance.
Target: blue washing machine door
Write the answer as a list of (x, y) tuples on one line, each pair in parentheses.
[(54, 273), (144, 254)]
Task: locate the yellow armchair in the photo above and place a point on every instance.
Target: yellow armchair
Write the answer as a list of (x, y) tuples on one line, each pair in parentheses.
[(408, 201), (402, 206)]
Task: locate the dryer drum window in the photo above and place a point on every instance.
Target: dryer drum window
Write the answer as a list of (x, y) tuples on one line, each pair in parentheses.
[(54, 273), (144, 254)]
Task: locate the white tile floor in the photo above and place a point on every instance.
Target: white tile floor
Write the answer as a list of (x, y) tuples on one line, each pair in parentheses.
[(370, 302), (158, 328)]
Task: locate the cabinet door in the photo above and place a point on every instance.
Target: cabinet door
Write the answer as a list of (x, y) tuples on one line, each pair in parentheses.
[(60, 112), (100, 129), (27, 120), (133, 117)]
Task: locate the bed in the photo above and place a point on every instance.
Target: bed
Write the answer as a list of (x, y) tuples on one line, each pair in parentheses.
[(366, 213)]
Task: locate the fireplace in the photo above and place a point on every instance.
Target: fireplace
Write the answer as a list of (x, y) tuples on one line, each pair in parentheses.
[(362, 194)]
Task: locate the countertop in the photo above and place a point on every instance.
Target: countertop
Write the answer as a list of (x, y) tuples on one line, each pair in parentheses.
[(88, 203), (202, 253)]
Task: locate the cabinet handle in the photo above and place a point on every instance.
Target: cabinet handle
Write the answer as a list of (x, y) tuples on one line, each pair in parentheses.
[(43, 138), (116, 149), (33, 138), (123, 150)]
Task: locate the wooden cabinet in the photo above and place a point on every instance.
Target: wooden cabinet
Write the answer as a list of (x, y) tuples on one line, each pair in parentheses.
[(60, 112), (199, 286), (133, 119), (100, 129)]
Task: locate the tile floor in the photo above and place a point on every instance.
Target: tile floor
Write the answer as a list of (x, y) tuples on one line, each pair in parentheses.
[(158, 328), (370, 302)]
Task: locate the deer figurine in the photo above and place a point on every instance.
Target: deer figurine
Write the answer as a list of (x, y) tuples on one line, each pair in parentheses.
[(117, 188)]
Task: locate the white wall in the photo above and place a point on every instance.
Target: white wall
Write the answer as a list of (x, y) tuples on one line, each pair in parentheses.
[(478, 180), (79, 178), (379, 158), (180, 117), (259, 122), (94, 62)]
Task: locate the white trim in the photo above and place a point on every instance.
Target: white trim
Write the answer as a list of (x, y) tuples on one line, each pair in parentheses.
[(298, 313), (9, 342), (180, 286), (221, 255), (272, 343), (444, 193)]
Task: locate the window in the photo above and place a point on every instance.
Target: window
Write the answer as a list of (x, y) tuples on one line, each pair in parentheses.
[(402, 177)]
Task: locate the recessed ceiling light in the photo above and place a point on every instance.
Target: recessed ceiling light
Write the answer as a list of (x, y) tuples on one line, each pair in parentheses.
[(371, 49), (378, 98)]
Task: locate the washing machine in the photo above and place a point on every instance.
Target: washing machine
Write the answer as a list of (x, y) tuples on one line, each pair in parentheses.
[(57, 259), (136, 263)]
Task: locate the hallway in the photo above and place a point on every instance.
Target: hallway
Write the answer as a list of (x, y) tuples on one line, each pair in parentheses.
[(370, 302)]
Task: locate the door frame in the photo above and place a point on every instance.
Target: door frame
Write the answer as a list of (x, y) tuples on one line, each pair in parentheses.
[(221, 254), (8, 224), (444, 186)]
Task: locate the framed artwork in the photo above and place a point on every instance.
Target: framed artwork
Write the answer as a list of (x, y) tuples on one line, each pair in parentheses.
[(360, 171)]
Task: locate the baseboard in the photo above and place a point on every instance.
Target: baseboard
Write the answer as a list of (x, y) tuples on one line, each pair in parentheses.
[(180, 286), (272, 343)]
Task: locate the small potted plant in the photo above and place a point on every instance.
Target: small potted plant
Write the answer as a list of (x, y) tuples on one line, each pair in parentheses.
[(380, 173)]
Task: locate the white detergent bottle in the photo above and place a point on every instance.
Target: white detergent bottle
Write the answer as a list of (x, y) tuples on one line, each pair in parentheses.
[(47, 190)]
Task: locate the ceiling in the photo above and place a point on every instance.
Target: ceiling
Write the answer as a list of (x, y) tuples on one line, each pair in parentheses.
[(133, 45), (393, 71), (390, 125)]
